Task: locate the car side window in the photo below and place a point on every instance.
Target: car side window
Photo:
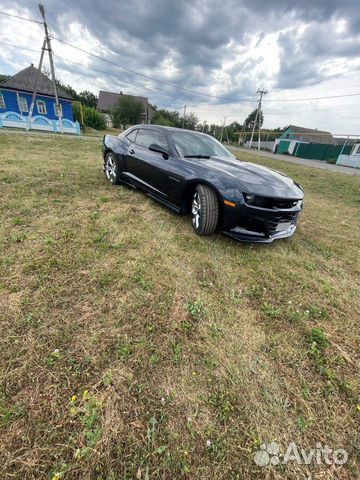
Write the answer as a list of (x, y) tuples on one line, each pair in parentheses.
[(132, 135), (146, 137)]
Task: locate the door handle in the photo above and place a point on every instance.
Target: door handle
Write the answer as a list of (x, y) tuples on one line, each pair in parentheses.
[(131, 151)]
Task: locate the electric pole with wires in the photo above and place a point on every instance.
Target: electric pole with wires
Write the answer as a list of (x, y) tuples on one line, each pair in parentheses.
[(46, 46), (257, 118), (222, 129), (184, 116)]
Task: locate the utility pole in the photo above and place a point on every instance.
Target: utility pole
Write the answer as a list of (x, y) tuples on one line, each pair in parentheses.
[(184, 116), (241, 136), (257, 116), (222, 130), (203, 127), (46, 46)]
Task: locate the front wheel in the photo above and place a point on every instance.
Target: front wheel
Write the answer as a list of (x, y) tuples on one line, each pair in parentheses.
[(111, 169), (204, 210)]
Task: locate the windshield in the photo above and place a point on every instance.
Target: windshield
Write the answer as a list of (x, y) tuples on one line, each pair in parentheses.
[(191, 144)]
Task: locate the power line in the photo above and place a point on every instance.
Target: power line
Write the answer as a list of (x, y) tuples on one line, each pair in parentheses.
[(208, 95), (21, 18), (147, 76), (195, 91), (311, 98)]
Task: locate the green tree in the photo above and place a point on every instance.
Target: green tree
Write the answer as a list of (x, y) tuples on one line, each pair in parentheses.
[(167, 117), (68, 89), (190, 121), (250, 120), (88, 98), (3, 78), (126, 111), (159, 119)]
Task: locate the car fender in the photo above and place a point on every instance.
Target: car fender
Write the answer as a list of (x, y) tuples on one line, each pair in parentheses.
[(223, 192)]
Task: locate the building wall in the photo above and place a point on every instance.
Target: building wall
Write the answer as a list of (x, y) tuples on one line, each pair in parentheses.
[(11, 104), (288, 135), (289, 146), (263, 145)]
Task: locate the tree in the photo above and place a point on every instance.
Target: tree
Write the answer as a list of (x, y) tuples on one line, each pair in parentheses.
[(191, 121), (159, 119), (167, 117), (68, 89), (250, 120), (126, 111), (88, 98), (3, 78)]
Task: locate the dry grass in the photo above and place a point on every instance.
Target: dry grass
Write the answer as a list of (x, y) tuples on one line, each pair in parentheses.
[(130, 348)]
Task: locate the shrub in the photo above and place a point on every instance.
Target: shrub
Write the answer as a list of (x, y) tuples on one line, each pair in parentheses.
[(92, 118)]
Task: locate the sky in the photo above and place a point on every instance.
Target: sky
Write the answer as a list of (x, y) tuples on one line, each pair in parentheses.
[(226, 50)]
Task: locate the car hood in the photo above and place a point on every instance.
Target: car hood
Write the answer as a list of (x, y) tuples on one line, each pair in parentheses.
[(253, 178)]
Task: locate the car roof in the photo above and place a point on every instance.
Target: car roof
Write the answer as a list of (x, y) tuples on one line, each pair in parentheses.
[(167, 129)]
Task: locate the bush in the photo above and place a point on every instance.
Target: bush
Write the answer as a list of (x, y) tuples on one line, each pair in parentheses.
[(92, 118)]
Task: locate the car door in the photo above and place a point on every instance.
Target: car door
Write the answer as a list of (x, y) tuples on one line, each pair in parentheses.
[(148, 168)]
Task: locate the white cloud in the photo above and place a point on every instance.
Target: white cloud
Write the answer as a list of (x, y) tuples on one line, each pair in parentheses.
[(205, 48)]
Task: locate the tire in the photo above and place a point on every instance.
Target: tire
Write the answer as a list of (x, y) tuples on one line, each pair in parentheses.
[(111, 169), (204, 210)]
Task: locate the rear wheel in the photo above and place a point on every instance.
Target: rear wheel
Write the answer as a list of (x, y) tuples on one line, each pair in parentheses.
[(204, 210), (112, 169)]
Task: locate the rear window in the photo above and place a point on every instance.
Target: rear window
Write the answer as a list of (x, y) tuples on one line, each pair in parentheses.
[(146, 137), (132, 136)]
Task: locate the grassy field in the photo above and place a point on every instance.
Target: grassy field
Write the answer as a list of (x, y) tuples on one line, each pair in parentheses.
[(132, 349)]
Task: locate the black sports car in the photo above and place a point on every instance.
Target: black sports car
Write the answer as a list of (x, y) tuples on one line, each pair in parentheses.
[(192, 172)]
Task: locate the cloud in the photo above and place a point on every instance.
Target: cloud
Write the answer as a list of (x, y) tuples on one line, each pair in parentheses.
[(226, 49)]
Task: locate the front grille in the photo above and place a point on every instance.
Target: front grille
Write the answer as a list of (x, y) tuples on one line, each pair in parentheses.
[(273, 224), (252, 225), (284, 204), (272, 203)]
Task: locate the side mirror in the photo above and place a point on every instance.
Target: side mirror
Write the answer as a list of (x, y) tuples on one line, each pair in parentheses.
[(160, 149)]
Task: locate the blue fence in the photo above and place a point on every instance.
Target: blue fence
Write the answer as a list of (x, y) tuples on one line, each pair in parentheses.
[(38, 122)]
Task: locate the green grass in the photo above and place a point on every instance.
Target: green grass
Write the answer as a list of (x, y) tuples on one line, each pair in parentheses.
[(131, 348)]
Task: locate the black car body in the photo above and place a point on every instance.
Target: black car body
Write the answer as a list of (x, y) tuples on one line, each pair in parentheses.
[(254, 203)]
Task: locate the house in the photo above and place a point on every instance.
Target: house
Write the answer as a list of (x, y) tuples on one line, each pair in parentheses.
[(307, 143), (15, 101), (108, 100)]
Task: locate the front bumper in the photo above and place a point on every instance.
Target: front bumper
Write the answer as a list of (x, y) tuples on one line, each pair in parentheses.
[(260, 225)]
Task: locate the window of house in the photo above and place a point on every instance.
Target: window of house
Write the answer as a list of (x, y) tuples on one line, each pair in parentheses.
[(146, 137), (22, 104), (41, 107), (2, 101), (357, 150), (56, 109)]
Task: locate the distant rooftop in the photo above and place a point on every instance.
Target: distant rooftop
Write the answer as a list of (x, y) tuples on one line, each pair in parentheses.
[(25, 81), (108, 100), (311, 135)]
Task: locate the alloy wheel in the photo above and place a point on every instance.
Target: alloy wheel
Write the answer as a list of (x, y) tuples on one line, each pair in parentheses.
[(196, 210), (110, 168)]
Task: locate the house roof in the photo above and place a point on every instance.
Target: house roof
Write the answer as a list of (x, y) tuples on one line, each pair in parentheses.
[(108, 100), (311, 135), (25, 81)]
